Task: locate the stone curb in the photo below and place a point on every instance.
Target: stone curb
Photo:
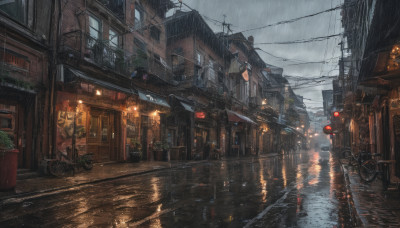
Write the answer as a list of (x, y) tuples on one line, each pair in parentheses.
[(356, 220)]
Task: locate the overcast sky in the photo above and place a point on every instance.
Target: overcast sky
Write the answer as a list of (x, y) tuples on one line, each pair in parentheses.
[(246, 14)]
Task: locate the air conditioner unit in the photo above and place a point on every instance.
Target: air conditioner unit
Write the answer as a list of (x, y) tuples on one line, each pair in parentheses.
[(60, 73)]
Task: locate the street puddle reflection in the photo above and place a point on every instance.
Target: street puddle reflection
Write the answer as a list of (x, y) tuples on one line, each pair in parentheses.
[(314, 169)]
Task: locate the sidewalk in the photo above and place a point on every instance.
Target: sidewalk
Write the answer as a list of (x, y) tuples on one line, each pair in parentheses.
[(372, 207)]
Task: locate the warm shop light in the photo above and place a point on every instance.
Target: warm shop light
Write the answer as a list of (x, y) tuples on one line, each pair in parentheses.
[(135, 108), (80, 101), (98, 92)]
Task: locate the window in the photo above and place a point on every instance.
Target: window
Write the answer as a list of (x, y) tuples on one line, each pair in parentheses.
[(113, 38), (211, 72), (254, 91), (16, 9), (199, 58), (155, 33), (139, 15), (94, 31)]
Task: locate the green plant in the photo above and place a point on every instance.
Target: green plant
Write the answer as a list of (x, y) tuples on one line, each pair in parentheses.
[(164, 145), (157, 145), (5, 141)]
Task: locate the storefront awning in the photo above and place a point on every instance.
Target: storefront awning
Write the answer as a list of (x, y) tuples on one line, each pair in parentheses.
[(187, 107), (144, 96), (288, 130), (107, 85), (236, 117)]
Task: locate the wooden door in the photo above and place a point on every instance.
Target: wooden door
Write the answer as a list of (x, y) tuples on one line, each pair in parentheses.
[(100, 135)]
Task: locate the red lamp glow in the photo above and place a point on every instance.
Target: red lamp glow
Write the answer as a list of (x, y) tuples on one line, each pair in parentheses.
[(336, 114), (200, 115), (328, 130)]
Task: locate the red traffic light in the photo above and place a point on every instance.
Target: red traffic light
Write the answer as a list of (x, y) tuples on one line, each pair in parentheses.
[(328, 129), (336, 114)]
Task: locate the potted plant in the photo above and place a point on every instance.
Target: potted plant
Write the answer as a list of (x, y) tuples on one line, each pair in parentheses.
[(5, 141), (158, 150), (8, 162), (165, 149), (135, 152)]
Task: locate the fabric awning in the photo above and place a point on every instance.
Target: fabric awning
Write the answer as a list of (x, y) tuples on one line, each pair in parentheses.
[(144, 96), (236, 117), (107, 85), (187, 107), (288, 130)]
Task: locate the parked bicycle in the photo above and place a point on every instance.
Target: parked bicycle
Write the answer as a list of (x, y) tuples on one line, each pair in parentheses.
[(356, 160), (351, 158), (64, 166), (373, 168)]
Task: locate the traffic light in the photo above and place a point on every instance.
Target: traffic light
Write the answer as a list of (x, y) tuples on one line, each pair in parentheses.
[(328, 130)]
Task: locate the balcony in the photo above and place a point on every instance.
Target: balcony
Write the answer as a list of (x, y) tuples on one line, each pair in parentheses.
[(80, 46), (115, 6)]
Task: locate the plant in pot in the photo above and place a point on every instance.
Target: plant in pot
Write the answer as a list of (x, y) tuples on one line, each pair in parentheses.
[(165, 148), (136, 152), (158, 150), (8, 162), (5, 141)]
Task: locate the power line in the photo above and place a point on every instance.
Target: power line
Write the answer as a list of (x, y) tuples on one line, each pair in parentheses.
[(313, 39), (293, 20)]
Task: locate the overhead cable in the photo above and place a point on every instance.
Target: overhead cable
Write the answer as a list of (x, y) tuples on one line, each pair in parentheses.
[(294, 19), (313, 39)]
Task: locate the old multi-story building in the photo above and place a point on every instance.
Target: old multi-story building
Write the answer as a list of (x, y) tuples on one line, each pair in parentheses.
[(199, 60), (110, 54), (370, 87), (24, 77)]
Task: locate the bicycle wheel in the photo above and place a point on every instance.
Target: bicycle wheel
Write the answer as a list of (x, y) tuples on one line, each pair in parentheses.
[(345, 154), (355, 160), (88, 165), (367, 170), (57, 168)]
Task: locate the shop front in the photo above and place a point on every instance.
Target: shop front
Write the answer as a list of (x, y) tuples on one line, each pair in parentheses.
[(23, 80), (205, 134), (241, 134), (180, 124), (89, 117), (16, 111), (152, 133)]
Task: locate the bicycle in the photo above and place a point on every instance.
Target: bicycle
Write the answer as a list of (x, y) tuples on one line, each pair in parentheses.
[(63, 166), (346, 153), (371, 169)]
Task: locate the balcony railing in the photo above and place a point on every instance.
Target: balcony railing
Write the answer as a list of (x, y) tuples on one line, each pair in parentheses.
[(115, 6), (99, 52)]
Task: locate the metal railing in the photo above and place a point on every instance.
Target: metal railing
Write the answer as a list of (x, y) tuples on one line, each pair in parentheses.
[(97, 51), (101, 53)]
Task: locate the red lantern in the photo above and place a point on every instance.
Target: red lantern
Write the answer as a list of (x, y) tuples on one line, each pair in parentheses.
[(200, 115), (328, 130), (336, 114)]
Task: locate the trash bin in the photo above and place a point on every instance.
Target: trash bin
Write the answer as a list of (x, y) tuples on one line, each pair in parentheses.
[(8, 169)]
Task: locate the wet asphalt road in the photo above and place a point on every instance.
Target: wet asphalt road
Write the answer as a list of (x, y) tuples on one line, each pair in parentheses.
[(289, 191)]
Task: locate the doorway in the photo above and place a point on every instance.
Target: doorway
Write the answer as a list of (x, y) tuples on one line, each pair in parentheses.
[(102, 135)]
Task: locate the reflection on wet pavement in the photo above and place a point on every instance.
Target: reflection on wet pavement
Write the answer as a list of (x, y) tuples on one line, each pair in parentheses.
[(284, 191)]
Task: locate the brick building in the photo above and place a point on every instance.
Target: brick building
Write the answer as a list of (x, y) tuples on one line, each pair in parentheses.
[(24, 78)]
